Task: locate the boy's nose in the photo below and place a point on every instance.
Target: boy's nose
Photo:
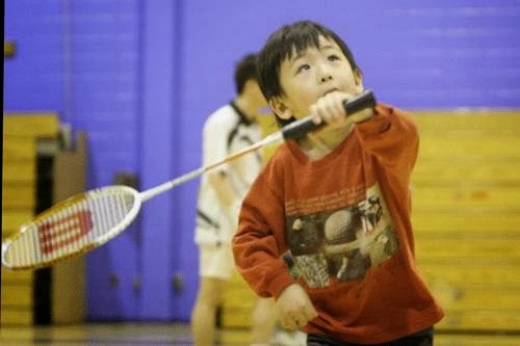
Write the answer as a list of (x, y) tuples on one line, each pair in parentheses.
[(326, 77), (324, 74)]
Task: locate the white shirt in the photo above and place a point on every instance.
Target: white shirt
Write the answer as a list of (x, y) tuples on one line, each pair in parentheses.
[(226, 131)]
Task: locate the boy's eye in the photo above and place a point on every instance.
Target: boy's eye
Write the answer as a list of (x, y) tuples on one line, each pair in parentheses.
[(302, 67), (333, 57)]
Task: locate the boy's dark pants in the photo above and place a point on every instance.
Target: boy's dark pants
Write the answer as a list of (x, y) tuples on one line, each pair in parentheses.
[(422, 338)]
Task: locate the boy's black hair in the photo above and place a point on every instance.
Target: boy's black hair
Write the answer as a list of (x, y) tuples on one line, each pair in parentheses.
[(282, 44), (245, 70)]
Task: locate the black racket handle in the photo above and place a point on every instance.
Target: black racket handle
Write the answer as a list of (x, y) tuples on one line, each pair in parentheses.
[(299, 128)]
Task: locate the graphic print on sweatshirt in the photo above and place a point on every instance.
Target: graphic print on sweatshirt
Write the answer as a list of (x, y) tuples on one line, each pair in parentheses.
[(343, 243)]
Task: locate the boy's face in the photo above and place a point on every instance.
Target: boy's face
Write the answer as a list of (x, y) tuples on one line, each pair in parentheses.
[(311, 74)]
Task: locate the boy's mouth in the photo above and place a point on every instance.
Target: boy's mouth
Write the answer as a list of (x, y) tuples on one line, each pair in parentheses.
[(330, 91)]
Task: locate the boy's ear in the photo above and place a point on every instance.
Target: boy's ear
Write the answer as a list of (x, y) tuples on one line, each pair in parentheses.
[(279, 107), (358, 80)]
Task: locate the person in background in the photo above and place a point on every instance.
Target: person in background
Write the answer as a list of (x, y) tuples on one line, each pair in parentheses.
[(338, 199), (227, 130)]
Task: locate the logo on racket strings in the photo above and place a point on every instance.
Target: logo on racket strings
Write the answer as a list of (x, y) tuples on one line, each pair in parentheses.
[(55, 235)]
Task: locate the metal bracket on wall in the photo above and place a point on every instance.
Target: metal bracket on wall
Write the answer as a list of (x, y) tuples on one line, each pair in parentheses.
[(177, 283), (137, 283), (113, 279), (9, 49)]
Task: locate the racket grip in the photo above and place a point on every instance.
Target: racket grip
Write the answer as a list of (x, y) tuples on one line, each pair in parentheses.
[(298, 129)]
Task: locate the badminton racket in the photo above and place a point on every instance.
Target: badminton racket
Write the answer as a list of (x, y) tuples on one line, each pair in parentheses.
[(92, 218)]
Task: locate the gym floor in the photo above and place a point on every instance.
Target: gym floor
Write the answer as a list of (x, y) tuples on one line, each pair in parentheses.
[(179, 334)]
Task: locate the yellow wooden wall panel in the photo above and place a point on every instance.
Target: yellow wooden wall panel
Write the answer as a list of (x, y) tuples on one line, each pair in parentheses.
[(267, 124), (16, 172), (16, 317), (236, 317), (458, 296), (16, 277), (17, 295), (13, 219), (20, 134), (236, 279), (238, 303), (469, 148), (484, 299), (488, 122), (468, 248), (429, 220), (491, 171), (240, 298), (19, 196), (481, 320), (18, 148), (238, 295), (470, 275), (466, 215), (41, 124), (468, 196)]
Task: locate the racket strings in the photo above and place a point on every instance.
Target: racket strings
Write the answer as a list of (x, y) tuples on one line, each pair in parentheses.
[(66, 230), (110, 211), (52, 236)]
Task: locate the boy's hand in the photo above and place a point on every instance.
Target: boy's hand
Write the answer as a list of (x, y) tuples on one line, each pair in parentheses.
[(329, 108), (295, 307)]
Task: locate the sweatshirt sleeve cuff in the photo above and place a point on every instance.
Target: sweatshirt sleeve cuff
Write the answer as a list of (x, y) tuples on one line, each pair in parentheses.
[(378, 123), (279, 283)]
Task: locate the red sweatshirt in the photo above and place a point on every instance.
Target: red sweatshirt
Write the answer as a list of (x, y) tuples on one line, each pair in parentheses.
[(346, 220)]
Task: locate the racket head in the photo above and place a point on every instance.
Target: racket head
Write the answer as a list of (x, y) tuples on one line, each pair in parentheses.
[(72, 227)]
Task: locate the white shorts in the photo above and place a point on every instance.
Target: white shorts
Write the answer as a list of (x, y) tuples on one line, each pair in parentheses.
[(216, 261)]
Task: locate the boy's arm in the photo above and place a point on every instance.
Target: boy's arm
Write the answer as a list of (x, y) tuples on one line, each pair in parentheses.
[(387, 133), (392, 137), (258, 260), (258, 253), (259, 244)]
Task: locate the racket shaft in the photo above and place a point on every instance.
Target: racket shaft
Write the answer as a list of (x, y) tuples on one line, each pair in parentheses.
[(148, 194)]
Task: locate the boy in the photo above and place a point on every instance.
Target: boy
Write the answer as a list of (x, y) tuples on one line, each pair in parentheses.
[(338, 199)]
